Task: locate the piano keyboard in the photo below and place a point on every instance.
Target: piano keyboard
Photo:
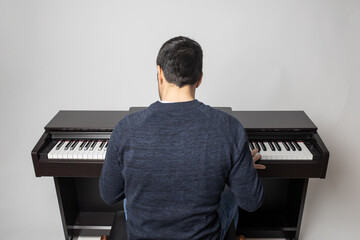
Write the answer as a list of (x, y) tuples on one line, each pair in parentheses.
[(282, 150), (79, 149), (96, 149)]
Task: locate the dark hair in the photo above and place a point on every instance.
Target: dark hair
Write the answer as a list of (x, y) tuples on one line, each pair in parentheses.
[(181, 60)]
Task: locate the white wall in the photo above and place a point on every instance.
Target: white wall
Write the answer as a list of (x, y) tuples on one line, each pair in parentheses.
[(99, 55)]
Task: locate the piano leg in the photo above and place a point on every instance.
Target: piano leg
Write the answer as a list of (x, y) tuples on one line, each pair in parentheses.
[(298, 201), (66, 194), (83, 212), (281, 213)]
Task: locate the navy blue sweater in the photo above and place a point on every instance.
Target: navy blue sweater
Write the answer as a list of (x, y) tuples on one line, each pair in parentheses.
[(171, 161)]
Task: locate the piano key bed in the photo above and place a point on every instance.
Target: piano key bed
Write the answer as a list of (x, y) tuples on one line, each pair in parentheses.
[(79, 149), (95, 149), (282, 150)]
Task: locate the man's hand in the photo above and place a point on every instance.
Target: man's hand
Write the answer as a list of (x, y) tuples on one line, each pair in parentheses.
[(256, 156)]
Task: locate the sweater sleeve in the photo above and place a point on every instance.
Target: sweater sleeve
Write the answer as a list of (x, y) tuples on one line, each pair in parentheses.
[(112, 181), (243, 179)]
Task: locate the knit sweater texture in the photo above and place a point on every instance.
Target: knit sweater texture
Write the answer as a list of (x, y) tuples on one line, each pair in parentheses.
[(172, 161)]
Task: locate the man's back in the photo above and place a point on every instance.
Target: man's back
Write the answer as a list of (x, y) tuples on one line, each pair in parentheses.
[(171, 162)]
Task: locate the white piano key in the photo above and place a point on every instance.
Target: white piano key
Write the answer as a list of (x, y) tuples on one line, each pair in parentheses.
[(103, 153), (87, 144), (281, 154), (93, 151), (306, 152), (72, 148), (287, 154), (88, 151), (70, 154), (58, 154), (270, 153), (83, 151), (276, 154), (66, 154), (77, 152), (63, 152), (296, 153), (104, 150), (53, 152), (265, 154), (98, 153)]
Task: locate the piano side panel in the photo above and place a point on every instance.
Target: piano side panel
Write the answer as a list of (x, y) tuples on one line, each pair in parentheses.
[(36, 151), (325, 155)]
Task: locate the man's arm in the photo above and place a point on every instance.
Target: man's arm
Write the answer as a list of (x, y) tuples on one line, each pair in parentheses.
[(111, 180), (243, 179)]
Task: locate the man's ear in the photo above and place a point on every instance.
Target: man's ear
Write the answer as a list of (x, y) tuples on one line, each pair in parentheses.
[(199, 81), (160, 75)]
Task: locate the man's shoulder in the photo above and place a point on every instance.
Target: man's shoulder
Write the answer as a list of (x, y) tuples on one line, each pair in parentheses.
[(132, 120), (220, 117), (225, 123)]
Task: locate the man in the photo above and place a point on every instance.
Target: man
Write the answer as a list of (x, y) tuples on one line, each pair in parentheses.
[(173, 160)]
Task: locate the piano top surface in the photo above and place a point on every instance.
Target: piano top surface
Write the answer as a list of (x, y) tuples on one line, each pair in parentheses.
[(85, 120), (275, 120), (251, 120)]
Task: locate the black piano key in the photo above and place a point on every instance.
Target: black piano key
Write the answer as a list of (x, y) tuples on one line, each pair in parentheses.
[(297, 146), (271, 146), (101, 145), (93, 145), (106, 145), (82, 145), (74, 145), (286, 146), (263, 146), (291, 146), (257, 146), (251, 146), (68, 145), (88, 145), (277, 146), (61, 142)]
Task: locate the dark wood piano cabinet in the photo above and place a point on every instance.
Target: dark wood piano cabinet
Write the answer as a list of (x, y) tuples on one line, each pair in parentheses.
[(84, 213)]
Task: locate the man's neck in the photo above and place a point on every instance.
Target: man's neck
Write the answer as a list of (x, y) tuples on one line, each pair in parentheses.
[(175, 94)]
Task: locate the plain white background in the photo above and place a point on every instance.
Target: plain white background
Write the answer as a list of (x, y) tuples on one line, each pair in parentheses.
[(100, 55)]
